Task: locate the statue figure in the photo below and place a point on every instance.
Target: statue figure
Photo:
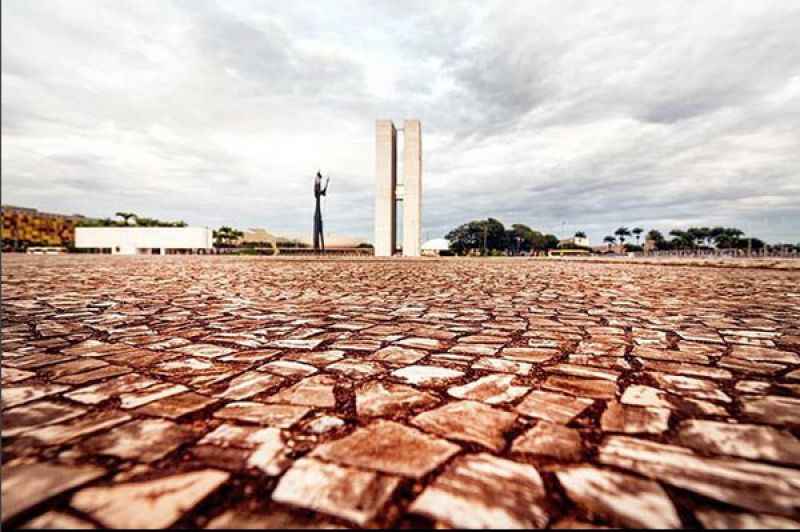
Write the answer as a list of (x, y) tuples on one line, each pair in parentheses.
[(319, 240)]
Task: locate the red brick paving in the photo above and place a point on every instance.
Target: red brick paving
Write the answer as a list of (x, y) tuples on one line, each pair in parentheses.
[(232, 392)]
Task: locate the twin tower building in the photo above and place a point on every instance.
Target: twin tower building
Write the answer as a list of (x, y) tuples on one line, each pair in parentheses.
[(388, 191)]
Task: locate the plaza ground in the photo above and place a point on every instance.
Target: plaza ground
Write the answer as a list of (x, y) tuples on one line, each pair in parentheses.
[(251, 392)]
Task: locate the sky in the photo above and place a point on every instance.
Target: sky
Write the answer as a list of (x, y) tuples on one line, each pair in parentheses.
[(565, 116)]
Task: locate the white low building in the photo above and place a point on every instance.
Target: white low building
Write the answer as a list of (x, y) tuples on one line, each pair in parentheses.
[(436, 247), (144, 240)]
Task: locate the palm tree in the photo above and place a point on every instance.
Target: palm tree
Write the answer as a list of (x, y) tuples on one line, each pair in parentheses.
[(622, 232), (638, 232), (609, 240)]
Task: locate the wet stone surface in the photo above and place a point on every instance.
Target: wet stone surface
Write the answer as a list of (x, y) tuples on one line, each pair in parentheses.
[(218, 392)]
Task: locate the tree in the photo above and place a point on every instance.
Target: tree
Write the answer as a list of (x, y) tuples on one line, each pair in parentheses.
[(682, 239), (580, 234), (485, 235), (621, 233), (126, 217), (638, 232), (550, 242), (534, 240), (658, 239), (225, 236), (609, 240), (698, 235), (728, 237)]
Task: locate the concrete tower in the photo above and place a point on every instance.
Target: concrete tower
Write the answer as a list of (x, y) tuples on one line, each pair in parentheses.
[(386, 192), (385, 185)]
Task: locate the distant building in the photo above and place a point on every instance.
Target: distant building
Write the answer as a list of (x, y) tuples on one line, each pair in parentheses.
[(144, 240), (565, 252), (436, 247), (23, 227), (575, 241)]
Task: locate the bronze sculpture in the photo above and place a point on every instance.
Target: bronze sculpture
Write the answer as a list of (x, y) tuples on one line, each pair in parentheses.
[(319, 239)]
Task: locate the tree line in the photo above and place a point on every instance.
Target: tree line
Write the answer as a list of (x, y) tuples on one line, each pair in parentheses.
[(691, 238), (490, 237), (128, 219)]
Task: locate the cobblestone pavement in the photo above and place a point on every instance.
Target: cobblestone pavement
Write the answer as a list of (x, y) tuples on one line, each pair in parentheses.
[(235, 392)]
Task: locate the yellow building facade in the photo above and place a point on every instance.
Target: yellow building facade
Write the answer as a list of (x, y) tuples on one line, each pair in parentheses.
[(23, 227)]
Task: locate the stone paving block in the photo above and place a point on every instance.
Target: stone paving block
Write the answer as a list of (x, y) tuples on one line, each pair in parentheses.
[(283, 416), (247, 385), (550, 439), (714, 519), (176, 406), (459, 421), (258, 355), (749, 485), (772, 409), (583, 371), (352, 494), (690, 387), (389, 447), (682, 368), (288, 368), (670, 355), (21, 394), (26, 485), (278, 519), (203, 350), (54, 520), (97, 393), (427, 375), (94, 375), (492, 389), (483, 491), (295, 344), (502, 366), (316, 358), (32, 415), (394, 354), (356, 369), (36, 360), (751, 367), (634, 419), (271, 455), (11, 375), (155, 392), (72, 367), (526, 354), (624, 500), (145, 440), (763, 354), (85, 425), (311, 391), (428, 344), (475, 349), (379, 398), (640, 395), (581, 387), (555, 407), (747, 441), (155, 503)]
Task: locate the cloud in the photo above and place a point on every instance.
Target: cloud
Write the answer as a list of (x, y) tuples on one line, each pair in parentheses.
[(561, 115)]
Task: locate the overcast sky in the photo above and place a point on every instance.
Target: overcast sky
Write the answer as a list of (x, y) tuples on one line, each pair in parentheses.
[(561, 115)]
